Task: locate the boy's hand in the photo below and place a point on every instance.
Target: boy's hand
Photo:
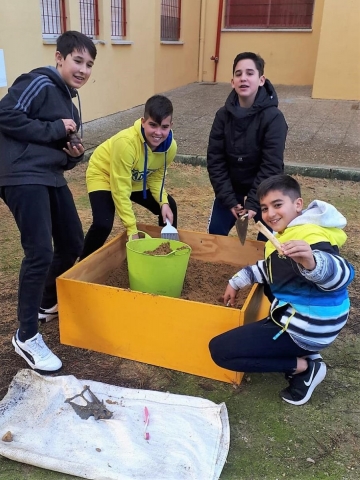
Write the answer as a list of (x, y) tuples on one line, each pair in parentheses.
[(230, 296), (236, 211), (70, 125), (167, 213), (74, 150), (300, 252)]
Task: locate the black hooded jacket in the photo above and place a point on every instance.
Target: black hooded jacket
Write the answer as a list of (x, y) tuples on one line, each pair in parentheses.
[(32, 133), (246, 146)]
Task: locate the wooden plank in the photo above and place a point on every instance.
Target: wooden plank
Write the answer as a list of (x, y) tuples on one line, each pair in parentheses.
[(168, 332), (162, 331), (97, 266)]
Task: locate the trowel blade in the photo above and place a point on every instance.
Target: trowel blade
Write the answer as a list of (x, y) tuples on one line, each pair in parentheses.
[(241, 226)]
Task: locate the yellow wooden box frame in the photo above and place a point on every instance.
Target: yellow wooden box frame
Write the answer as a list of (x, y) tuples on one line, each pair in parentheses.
[(162, 331)]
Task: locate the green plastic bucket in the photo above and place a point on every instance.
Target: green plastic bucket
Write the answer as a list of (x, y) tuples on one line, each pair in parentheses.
[(157, 274)]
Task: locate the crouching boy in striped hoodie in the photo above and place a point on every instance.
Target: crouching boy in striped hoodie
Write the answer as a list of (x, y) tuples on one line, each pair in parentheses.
[(308, 284)]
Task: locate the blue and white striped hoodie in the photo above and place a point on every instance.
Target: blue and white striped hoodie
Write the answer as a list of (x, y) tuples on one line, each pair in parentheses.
[(32, 133), (311, 306)]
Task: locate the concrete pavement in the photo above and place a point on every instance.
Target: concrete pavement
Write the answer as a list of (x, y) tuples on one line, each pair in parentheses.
[(323, 138)]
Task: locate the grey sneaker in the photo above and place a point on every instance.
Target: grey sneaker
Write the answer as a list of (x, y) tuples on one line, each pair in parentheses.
[(302, 385), (48, 314), (37, 354)]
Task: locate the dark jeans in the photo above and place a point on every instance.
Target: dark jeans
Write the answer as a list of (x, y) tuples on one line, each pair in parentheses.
[(103, 211), (222, 220), (52, 240), (251, 348)]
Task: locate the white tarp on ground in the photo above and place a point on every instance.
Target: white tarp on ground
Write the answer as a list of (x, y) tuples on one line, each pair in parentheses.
[(189, 436)]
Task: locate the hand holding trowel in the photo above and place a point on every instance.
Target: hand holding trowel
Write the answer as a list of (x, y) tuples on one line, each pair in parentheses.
[(241, 226)]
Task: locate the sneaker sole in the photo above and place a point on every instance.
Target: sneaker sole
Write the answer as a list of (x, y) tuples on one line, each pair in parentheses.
[(45, 318), (321, 374), (28, 361)]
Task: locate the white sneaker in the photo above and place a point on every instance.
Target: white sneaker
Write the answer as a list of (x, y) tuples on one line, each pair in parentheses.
[(48, 314), (37, 354)]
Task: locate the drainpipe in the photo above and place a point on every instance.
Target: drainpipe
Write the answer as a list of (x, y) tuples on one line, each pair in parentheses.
[(218, 35), (202, 40)]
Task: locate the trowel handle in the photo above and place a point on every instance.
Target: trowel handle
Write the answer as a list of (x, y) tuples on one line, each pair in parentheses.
[(261, 228)]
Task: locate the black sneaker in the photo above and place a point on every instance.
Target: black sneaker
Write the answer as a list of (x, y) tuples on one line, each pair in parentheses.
[(302, 385)]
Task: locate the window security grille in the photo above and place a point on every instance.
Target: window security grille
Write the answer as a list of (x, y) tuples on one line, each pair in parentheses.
[(170, 20), (289, 14), (118, 19), (89, 17), (53, 18)]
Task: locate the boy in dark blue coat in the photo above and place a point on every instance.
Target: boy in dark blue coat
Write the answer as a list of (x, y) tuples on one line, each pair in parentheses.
[(38, 120), (246, 144)]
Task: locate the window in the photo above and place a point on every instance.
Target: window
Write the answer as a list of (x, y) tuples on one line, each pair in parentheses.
[(89, 17), (118, 19), (269, 13), (170, 20), (53, 19)]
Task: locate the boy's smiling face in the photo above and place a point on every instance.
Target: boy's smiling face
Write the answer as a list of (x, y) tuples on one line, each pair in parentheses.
[(156, 133), (75, 69), (278, 209), (246, 81)]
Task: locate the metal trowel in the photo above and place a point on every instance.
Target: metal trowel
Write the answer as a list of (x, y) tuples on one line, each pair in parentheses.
[(241, 226)]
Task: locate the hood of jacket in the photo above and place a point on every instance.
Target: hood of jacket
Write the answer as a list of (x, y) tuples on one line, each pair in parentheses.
[(55, 77), (266, 97), (320, 222), (320, 213)]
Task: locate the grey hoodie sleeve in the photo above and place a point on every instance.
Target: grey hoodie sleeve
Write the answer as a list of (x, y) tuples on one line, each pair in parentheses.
[(21, 104), (331, 272), (249, 275)]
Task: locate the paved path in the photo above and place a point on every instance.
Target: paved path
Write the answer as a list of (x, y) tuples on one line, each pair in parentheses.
[(322, 133)]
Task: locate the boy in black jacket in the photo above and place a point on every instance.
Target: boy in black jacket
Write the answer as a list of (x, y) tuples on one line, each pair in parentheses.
[(38, 120), (246, 144)]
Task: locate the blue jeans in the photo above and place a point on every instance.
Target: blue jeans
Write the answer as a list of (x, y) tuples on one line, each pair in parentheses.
[(52, 240), (222, 220)]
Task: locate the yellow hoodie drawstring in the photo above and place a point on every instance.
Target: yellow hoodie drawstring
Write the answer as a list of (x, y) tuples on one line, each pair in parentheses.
[(284, 328)]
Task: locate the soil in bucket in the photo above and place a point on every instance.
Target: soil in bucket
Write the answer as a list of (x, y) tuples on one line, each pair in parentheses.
[(157, 266)]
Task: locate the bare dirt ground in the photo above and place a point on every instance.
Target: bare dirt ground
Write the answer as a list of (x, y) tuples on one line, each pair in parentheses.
[(197, 286), (267, 436)]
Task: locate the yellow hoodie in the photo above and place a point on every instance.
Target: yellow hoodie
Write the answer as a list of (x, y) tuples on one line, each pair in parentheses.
[(118, 165)]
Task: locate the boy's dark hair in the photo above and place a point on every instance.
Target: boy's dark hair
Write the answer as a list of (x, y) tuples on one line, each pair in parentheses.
[(158, 107), (259, 62), (284, 183), (73, 40)]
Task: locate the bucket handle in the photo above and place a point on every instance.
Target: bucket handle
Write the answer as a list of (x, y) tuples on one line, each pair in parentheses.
[(179, 252), (146, 235)]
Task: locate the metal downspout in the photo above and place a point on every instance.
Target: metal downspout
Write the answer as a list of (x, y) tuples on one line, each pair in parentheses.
[(218, 36), (202, 40)]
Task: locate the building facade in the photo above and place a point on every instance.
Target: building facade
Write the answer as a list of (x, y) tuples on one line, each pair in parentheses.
[(151, 46)]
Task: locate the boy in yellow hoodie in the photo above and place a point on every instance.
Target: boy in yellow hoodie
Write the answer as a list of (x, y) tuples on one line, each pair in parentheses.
[(131, 167)]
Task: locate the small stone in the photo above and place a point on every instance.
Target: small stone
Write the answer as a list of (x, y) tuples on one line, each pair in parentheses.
[(310, 460), (8, 437), (74, 139)]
